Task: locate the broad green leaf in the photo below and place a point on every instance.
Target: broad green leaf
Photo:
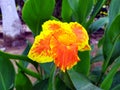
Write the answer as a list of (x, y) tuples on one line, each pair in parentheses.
[(80, 82), (116, 51), (117, 87), (47, 67), (7, 73), (83, 66), (98, 24), (95, 74), (111, 43), (114, 29), (84, 10), (109, 78), (35, 12), (114, 10), (66, 79), (74, 6), (66, 11), (22, 82), (95, 1), (96, 9), (116, 80), (60, 85), (81, 9), (41, 85)]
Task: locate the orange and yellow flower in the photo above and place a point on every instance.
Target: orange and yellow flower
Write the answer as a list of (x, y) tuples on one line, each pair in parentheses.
[(59, 42)]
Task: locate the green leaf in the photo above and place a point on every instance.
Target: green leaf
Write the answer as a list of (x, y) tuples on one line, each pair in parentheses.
[(74, 6), (54, 18), (66, 11), (114, 29), (96, 9), (22, 82), (98, 24), (114, 10), (51, 85), (81, 9), (117, 87), (7, 73), (110, 75), (84, 65), (80, 82), (60, 85), (116, 80), (111, 43), (95, 74), (66, 79), (84, 10), (41, 85), (47, 67), (35, 12)]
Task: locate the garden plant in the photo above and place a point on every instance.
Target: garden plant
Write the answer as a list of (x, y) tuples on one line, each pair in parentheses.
[(61, 52)]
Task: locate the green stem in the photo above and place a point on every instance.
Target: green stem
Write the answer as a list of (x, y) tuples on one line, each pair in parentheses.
[(18, 57), (29, 72)]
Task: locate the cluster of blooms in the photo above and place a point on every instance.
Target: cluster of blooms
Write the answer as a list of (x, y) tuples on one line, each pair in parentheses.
[(59, 42)]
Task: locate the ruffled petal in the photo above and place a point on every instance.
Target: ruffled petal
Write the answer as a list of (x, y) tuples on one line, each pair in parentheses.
[(65, 56), (40, 51), (52, 25), (86, 48), (81, 34)]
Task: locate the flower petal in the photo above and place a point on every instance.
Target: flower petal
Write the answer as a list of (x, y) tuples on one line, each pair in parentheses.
[(40, 51), (86, 48), (81, 34), (52, 25), (65, 56)]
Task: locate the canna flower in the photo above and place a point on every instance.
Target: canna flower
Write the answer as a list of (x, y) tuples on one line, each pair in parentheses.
[(59, 42)]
